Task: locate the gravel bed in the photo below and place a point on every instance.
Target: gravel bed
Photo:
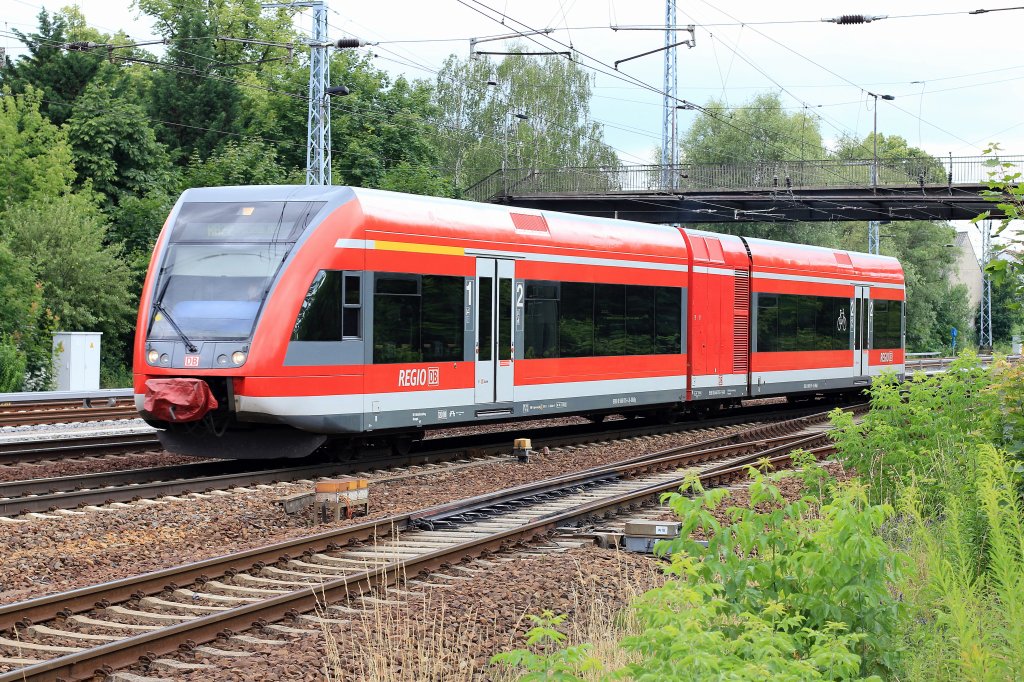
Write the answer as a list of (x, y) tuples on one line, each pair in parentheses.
[(497, 427), (452, 632), (33, 432), (42, 556), (92, 465)]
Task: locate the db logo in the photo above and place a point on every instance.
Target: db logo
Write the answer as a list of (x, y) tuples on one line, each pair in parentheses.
[(430, 376)]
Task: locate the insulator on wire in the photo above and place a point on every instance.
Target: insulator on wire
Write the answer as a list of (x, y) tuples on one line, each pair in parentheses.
[(849, 19), (342, 43)]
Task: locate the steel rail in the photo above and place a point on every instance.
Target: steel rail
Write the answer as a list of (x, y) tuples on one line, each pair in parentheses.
[(67, 492), (127, 650), (16, 451), (159, 488), (104, 658), (76, 414), (148, 583)]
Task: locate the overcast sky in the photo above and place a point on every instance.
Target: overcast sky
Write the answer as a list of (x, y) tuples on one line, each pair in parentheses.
[(958, 78)]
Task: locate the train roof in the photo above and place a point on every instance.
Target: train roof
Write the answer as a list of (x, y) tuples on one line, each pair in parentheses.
[(465, 221), (783, 257), (452, 220)]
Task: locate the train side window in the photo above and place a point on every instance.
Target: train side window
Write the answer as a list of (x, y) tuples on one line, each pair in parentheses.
[(579, 319), (442, 326), (486, 340), (576, 323), (888, 324), (319, 316), (396, 318), (668, 314), (350, 312), (788, 310), (610, 318), (417, 318), (767, 323), (639, 320), (540, 328), (787, 322)]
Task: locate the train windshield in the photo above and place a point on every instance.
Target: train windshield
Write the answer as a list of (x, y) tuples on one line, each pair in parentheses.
[(219, 264)]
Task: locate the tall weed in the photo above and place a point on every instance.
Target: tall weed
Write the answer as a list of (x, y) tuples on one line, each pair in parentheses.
[(925, 429), (969, 615)]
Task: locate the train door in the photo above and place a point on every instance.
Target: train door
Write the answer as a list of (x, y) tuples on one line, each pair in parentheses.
[(862, 330), (494, 310)]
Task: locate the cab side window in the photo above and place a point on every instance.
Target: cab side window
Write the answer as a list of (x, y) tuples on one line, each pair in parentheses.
[(331, 309)]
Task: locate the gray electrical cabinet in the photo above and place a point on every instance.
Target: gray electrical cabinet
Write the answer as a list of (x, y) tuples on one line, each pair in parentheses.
[(76, 361)]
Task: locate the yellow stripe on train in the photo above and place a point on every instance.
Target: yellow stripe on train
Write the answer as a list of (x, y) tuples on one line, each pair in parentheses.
[(419, 248)]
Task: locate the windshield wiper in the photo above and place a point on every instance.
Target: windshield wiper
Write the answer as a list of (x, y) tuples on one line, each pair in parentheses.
[(189, 346)]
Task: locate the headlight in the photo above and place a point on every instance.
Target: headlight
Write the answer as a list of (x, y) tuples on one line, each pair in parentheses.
[(153, 356), (222, 359), (238, 357), (165, 359)]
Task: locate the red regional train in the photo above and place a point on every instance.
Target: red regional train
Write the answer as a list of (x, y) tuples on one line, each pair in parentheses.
[(274, 319)]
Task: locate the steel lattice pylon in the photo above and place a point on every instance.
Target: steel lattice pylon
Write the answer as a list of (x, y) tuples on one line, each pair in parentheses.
[(985, 312), (318, 146), (318, 125), (669, 149)]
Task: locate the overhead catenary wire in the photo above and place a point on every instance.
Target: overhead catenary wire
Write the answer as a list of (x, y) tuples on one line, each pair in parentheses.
[(607, 69), (363, 112)]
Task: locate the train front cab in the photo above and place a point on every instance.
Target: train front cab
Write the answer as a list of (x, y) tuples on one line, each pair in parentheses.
[(208, 315), (823, 320)]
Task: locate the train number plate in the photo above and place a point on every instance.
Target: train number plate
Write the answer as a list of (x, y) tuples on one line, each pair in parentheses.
[(191, 360)]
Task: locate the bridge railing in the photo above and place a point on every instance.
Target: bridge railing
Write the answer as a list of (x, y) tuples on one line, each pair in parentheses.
[(689, 177)]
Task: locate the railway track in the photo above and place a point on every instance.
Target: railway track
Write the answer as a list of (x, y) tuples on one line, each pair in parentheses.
[(70, 492), (49, 449), (75, 634), (60, 407)]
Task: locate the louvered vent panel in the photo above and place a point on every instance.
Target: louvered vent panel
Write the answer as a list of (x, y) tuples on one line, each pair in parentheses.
[(530, 223), (741, 324)]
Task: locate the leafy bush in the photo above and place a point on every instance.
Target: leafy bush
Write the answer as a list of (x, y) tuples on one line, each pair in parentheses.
[(924, 429), (543, 659), (12, 367), (779, 589)]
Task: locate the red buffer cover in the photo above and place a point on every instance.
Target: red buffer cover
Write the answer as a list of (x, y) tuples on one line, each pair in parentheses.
[(178, 400)]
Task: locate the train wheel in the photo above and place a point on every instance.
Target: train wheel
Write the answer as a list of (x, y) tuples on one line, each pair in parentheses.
[(668, 416), (401, 445)]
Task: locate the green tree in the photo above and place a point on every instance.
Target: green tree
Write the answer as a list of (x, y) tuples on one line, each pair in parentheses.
[(194, 93), (761, 144), (381, 133), (479, 129), (1006, 192), (61, 75), (136, 223), (23, 324), (758, 131), (84, 282), (1007, 314), (250, 162), (114, 147), (35, 157), (934, 302), (899, 163)]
